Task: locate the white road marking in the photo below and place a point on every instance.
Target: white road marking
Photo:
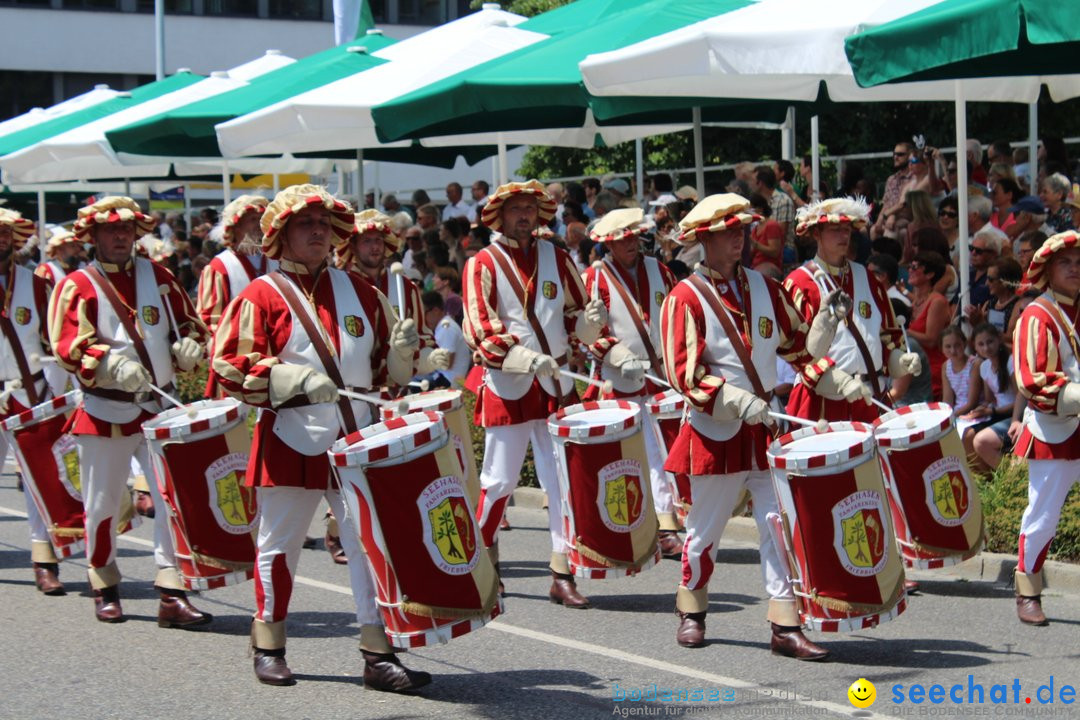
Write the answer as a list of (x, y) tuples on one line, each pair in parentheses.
[(611, 653)]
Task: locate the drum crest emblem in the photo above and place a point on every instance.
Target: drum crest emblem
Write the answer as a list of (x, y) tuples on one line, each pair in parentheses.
[(22, 315), (860, 533), (150, 314), (66, 455), (449, 527), (947, 491), (864, 309), (232, 505), (765, 327), (549, 290), (620, 495), (354, 326)]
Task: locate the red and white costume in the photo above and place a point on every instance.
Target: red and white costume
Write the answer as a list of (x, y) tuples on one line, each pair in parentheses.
[(1046, 348), (288, 464), (647, 284), (225, 277), (724, 457), (52, 272), (85, 329), (513, 404)]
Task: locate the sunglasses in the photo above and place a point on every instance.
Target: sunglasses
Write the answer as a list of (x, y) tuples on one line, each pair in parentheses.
[(899, 154), (948, 214), (977, 250)]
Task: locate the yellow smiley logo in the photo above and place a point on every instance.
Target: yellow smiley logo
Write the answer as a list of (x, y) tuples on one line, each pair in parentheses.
[(862, 693)]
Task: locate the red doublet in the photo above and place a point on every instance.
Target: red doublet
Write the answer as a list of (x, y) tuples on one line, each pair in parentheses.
[(1041, 377), (255, 328)]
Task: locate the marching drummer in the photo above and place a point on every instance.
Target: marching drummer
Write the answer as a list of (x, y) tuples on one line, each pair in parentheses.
[(65, 255), (868, 341), (288, 343), (722, 329), (524, 303), (632, 288), (22, 320), (235, 267), (1046, 349), (123, 326)]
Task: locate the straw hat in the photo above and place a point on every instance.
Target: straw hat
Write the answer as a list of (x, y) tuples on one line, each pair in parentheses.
[(492, 213), (716, 212), (59, 237), (292, 200), (237, 209), (1037, 276), (619, 224), (370, 221), (110, 210), (852, 211), (22, 229)]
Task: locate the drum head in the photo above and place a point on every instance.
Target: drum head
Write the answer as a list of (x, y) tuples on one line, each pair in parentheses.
[(439, 400), (912, 425), (393, 439), (605, 419), (207, 413), (808, 448), (666, 403)]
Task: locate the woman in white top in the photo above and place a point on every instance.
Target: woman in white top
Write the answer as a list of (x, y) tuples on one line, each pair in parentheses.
[(989, 439)]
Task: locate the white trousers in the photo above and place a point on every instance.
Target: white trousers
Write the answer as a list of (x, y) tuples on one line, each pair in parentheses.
[(105, 463), (504, 454), (285, 513), (1049, 482), (715, 497), (656, 454)]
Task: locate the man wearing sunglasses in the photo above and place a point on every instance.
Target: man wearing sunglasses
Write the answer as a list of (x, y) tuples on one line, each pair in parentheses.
[(892, 201), (984, 250)]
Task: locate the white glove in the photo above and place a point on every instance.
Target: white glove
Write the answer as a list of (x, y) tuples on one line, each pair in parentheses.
[(823, 329), (126, 374), (734, 403), (596, 312), (629, 365), (836, 384), (591, 321), (1068, 400), (840, 303), (404, 340), (319, 388), (188, 354), (439, 359), (5, 398), (545, 366), (904, 363)]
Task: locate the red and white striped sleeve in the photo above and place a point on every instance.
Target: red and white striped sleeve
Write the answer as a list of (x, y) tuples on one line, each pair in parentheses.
[(1039, 375), (682, 326), (213, 294), (72, 314), (484, 330)]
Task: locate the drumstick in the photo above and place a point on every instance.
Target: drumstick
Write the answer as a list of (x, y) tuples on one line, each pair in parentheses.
[(35, 358), (819, 278), (396, 269), (658, 381), (598, 266), (880, 404), (604, 385), (820, 425), (902, 322), (163, 291), (189, 410), (402, 407)]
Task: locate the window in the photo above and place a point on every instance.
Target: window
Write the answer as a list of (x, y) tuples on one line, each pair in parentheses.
[(172, 7), (246, 8), (90, 4), (296, 9), (21, 91), (421, 12)]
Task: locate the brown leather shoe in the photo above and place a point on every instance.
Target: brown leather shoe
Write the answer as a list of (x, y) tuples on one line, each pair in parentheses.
[(911, 587), (333, 546), (107, 605), (46, 577), (564, 592), (270, 667), (671, 545), (790, 642), (691, 632), (310, 543), (176, 611), (385, 672), (144, 504), (1029, 610)]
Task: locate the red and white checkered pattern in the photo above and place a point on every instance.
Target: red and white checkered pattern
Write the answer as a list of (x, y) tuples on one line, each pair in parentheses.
[(863, 622), (594, 573), (666, 404), (425, 428), (444, 633), (43, 411)]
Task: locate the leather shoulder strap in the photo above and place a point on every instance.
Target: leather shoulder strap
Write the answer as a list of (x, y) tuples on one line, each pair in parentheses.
[(122, 312), (325, 356), (860, 343), (20, 354), (635, 316), (709, 293)]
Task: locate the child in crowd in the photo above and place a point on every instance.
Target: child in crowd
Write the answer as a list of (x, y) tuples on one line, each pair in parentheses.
[(959, 385), (990, 437)]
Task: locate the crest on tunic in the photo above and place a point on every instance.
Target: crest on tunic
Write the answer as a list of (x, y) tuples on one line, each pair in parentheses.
[(22, 315), (659, 298), (354, 326), (549, 290), (150, 314), (864, 309), (765, 327)]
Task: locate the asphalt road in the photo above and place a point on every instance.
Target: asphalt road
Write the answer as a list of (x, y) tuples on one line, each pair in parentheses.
[(539, 660)]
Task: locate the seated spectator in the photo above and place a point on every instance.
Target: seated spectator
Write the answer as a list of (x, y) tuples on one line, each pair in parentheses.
[(911, 389), (997, 410), (453, 232), (1054, 192), (427, 216), (887, 271), (929, 310), (448, 284), (1003, 280), (1004, 195), (984, 249), (948, 215), (766, 240), (931, 239), (1029, 214), (958, 372)]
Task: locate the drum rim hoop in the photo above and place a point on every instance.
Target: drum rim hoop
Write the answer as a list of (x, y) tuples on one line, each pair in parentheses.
[(341, 456), (447, 405), (233, 410), (918, 438), (611, 431), (664, 402), (864, 447), (57, 405)]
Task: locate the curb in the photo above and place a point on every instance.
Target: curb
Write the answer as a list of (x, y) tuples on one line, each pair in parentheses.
[(997, 568)]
